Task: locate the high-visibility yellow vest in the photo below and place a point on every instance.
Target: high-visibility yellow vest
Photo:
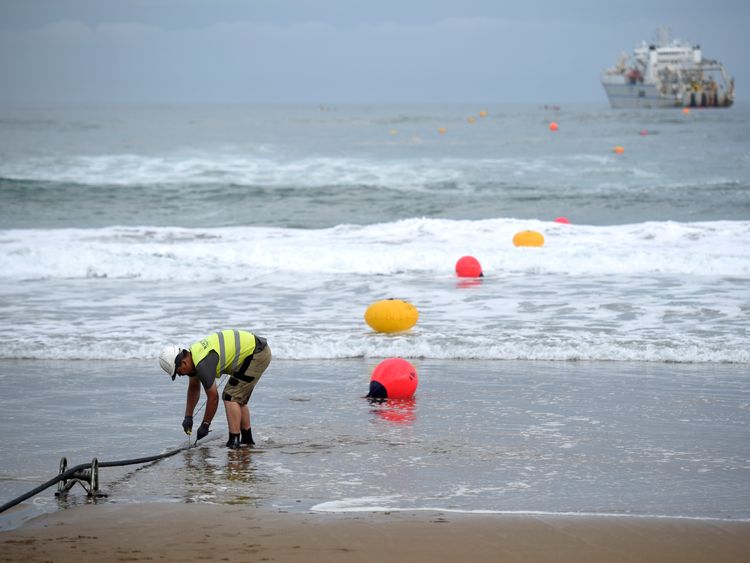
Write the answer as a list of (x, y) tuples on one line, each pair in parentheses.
[(232, 346)]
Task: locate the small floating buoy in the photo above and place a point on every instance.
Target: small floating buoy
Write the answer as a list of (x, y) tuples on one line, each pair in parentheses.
[(685, 110), (562, 220), (618, 149), (553, 126), (394, 131), (391, 315), (643, 132), (483, 113), (528, 238), (468, 267), (394, 378), (471, 119), (441, 130)]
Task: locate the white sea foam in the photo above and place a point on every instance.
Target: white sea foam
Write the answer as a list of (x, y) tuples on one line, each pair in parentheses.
[(424, 246), (132, 169), (564, 172), (381, 504), (663, 292)]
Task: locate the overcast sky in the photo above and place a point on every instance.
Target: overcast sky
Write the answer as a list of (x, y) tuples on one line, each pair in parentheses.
[(342, 51)]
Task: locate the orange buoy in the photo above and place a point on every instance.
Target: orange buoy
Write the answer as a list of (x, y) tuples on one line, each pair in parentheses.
[(553, 126), (562, 220), (441, 130), (618, 149), (394, 378), (471, 119), (483, 113), (468, 267), (686, 110), (391, 315), (528, 238)]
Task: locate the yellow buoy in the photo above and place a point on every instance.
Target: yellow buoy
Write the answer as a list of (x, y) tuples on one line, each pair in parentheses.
[(618, 149), (528, 238), (391, 315), (471, 119)]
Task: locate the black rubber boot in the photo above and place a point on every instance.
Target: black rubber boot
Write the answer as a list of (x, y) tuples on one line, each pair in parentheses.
[(234, 441), (247, 437)]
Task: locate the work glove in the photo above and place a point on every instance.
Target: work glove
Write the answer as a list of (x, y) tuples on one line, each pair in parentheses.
[(187, 425), (202, 430)]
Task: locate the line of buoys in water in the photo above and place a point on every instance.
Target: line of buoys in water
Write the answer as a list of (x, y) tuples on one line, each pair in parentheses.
[(471, 120), (528, 238), (396, 378), (393, 378), (391, 315), (468, 267), (553, 126)]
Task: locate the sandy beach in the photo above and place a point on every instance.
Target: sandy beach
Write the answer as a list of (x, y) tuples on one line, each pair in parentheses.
[(197, 532)]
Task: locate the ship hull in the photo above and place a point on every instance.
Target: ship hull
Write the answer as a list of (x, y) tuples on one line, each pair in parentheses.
[(625, 96)]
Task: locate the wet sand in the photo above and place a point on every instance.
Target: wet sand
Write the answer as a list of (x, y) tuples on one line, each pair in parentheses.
[(204, 532)]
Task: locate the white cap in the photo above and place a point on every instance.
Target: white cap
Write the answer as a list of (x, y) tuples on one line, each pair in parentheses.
[(168, 359)]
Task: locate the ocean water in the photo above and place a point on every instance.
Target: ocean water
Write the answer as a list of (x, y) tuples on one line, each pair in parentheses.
[(616, 438), (122, 229)]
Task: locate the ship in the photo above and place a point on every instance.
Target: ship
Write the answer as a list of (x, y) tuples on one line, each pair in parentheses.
[(667, 73)]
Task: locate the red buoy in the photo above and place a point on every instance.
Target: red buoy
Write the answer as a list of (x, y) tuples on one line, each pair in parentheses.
[(562, 220), (468, 267), (394, 378)]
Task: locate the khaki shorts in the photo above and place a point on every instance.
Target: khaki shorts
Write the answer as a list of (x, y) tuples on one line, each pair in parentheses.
[(240, 386)]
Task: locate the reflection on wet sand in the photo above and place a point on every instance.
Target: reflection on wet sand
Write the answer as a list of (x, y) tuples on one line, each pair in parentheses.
[(222, 475), (400, 411)]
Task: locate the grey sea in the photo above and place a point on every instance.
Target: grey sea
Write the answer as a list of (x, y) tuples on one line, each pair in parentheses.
[(604, 372)]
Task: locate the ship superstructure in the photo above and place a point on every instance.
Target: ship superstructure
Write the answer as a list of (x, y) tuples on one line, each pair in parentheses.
[(667, 73)]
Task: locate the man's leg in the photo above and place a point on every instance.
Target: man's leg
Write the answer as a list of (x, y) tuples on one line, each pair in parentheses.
[(253, 371), (245, 420), (245, 430), (234, 416)]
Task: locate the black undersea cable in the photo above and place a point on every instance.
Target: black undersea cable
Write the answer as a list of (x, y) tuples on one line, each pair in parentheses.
[(76, 470)]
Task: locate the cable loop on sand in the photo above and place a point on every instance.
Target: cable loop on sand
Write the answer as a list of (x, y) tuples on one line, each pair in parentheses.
[(87, 475)]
